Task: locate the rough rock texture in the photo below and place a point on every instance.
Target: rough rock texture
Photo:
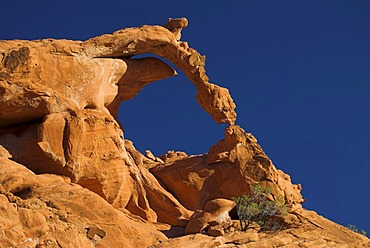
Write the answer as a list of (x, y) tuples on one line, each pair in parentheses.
[(50, 210), (231, 166), (68, 178), (312, 230), (215, 213)]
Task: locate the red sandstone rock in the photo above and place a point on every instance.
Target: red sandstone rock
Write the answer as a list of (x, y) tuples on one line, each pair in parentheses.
[(71, 90), (229, 169), (215, 213), (49, 210), (58, 108)]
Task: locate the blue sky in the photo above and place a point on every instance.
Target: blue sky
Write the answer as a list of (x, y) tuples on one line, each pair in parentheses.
[(297, 70)]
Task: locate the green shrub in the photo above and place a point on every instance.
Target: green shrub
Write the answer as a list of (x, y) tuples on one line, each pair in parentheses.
[(355, 229), (256, 207)]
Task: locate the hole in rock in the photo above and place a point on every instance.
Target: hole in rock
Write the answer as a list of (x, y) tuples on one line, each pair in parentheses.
[(23, 192), (165, 116), (90, 106)]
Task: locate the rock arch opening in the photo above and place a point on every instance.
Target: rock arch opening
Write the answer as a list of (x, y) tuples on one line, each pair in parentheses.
[(164, 115)]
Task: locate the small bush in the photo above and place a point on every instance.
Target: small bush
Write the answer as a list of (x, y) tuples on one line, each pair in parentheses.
[(355, 229), (256, 207)]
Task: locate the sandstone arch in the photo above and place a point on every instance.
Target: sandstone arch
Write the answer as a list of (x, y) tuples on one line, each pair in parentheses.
[(71, 90)]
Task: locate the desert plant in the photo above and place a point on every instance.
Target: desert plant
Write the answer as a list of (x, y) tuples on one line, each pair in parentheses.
[(257, 207), (355, 229)]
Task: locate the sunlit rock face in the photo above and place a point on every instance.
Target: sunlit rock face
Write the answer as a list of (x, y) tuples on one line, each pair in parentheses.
[(229, 169), (65, 165)]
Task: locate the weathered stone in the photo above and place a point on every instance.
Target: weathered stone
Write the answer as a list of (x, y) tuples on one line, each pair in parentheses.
[(215, 212), (215, 232), (231, 166), (57, 211), (150, 155), (70, 92), (173, 156), (59, 103), (176, 26)]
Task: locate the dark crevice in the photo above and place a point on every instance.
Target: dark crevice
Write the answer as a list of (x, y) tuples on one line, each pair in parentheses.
[(234, 214), (90, 106), (18, 128), (24, 192)]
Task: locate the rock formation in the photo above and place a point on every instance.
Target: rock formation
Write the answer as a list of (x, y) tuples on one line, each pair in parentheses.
[(214, 214), (68, 178)]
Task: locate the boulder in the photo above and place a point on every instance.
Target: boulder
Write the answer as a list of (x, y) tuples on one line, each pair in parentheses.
[(213, 219)]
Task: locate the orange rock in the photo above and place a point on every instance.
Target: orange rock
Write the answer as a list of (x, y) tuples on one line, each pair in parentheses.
[(48, 209), (162, 42), (58, 108), (69, 93), (171, 156), (312, 231), (227, 170), (215, 213)]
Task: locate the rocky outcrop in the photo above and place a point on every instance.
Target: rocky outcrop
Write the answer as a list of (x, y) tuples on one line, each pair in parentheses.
[(49, 211), (60, 98), (88, 147), (312, 230), (69, 178), (229, 169)]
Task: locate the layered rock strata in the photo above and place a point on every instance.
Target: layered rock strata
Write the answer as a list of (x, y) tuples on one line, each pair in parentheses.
[(68, 177)]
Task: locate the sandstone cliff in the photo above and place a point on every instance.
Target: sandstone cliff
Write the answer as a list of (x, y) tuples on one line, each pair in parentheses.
[(68, 178)]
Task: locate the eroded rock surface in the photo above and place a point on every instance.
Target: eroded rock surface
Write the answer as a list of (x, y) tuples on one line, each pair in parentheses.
[(213, 218), (229, 169), (50, 211), (68, 177), (312, 230)]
